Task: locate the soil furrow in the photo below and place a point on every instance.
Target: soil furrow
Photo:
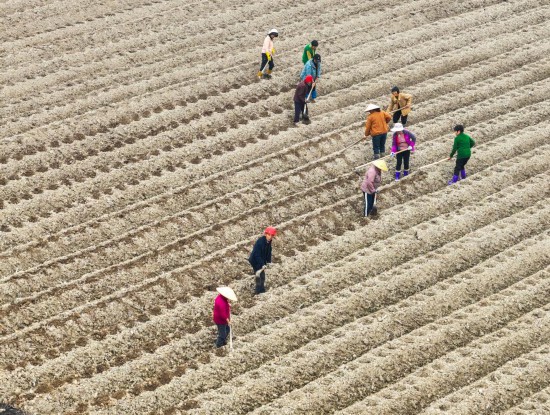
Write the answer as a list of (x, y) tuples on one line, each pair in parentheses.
[(267, 310), (506, 386), (396, 358)]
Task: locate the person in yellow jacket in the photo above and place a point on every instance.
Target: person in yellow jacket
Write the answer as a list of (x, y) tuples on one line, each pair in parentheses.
[(267, 54), (377, 127), (401, 103)]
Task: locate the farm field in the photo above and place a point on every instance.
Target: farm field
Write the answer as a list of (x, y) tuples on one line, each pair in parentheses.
[(141, 157)]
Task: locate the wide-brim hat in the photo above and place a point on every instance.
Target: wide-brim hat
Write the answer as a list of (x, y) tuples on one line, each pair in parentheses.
[(227, 292), (372, 107), (381, 164), (397, 127)]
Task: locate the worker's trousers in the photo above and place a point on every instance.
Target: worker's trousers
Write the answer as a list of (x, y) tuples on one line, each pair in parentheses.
[(379, 144), (264, 61), (369, 203), (260, 283), (460, 163), (223, 332), (397, 115)]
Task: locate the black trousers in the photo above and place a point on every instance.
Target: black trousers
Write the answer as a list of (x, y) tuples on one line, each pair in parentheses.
[(398, 114), (402, 158), (299, 108), (264, 61), (223, 332), (260, 283), (460, 163), (369, 203)]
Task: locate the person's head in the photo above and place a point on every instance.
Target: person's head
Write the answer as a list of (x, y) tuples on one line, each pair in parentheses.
[(372, 108), (273, 33), (308, 80), (395, 91), (316, 58), (380, 165), (314, 44), (458, 129), (270, 233)]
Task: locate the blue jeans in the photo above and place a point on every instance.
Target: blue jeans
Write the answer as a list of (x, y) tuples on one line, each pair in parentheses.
[(223, 332), (379, 144), (314, 93)]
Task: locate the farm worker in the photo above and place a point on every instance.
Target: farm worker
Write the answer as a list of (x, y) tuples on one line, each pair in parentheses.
[(260, 257), (309, 51), (267, 54), (222, 313), (400, 103), (403, 143), (302, 90), (377, 127), (369, 186), (313, 68), (462, 147)]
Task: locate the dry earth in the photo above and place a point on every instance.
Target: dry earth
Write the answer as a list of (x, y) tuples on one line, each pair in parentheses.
[(140, 158)]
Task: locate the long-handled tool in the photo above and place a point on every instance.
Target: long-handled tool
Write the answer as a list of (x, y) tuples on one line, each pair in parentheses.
[(399, 109), (306, 111), (382, 158)]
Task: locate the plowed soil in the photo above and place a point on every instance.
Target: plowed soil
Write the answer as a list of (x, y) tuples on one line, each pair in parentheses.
[(141, 157)]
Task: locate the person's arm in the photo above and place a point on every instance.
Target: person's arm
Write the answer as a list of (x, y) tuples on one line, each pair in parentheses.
[(319, 71), (390, 107), (302, 93), (368, 126), (268, 254), (411, 140), (408, 100), (370, 180), (455, 148), (387, 116), (255, 256), (394, 143), (309, 54)]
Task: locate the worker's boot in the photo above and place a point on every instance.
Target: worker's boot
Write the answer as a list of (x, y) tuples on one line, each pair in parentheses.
[(260, 74), (397, 175), (463, 173), (453, 180), (405, 173), (376, 156), (382, 154), (267, 75)]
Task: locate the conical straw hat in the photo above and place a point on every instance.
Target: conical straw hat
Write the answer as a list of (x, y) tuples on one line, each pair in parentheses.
[(381, 164), (371, 107), (227, 293)]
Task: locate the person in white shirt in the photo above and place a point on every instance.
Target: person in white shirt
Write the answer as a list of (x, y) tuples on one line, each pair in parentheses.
[(267, 54)]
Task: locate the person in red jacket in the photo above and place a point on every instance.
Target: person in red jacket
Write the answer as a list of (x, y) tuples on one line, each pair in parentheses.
[(222, 313), (302, 90)]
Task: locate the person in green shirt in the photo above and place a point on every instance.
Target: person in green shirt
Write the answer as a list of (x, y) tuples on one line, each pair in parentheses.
[(309, 51), (462, 147)]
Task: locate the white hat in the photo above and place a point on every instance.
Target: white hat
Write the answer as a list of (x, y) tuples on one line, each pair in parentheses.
[(397, 127), (273, 31), (371, 107), (227, 293), (381, 164)]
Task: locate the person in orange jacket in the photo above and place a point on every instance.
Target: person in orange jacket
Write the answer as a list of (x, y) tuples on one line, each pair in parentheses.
[(377, 127)]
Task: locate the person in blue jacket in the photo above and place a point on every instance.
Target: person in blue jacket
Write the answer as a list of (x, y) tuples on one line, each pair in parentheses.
[(313, 68), (260, 257)]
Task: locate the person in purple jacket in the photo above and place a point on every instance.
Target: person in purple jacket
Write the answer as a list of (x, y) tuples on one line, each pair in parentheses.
[(402, 146), (221, 314)]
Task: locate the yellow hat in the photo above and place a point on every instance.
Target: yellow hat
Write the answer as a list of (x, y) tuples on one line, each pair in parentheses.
[(381, 164)]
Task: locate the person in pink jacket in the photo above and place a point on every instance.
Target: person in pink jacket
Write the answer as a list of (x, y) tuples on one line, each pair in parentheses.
[(267, 54), (221, 313), (403, 143), (370, 184)]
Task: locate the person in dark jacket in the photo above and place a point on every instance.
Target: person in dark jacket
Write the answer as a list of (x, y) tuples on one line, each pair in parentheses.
[(462, 147), (260, 257), (302, 90)]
